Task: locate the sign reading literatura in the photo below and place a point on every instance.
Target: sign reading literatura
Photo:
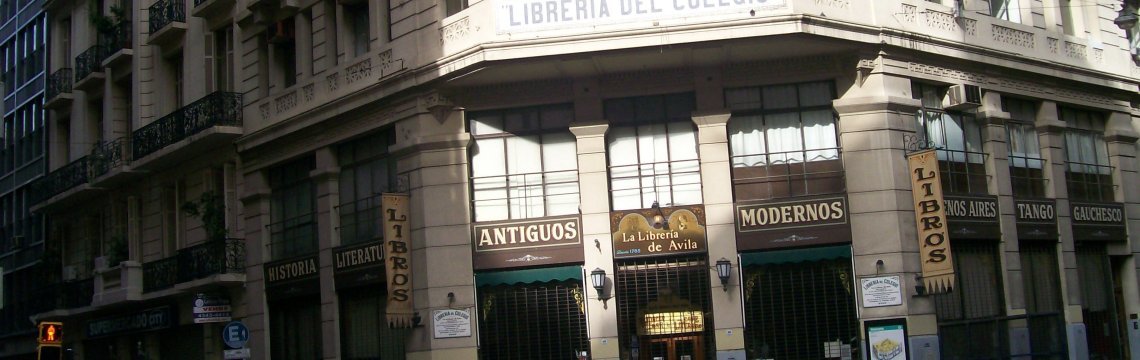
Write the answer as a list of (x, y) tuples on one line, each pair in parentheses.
[(930, 217), (806, 221), (398, 264), (1098, 221), (682, 232), (514, 243), (358, 264), (535, 15)]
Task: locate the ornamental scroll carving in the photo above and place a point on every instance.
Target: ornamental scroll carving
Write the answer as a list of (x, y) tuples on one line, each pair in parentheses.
[(1012, 36), (1076, 51), (908, 13)]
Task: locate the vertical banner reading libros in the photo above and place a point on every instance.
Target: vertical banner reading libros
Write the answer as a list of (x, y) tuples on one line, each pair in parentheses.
[(398, 264), (930, 216)]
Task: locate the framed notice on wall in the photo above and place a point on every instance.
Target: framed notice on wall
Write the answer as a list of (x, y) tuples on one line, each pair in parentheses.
[(886, 339)]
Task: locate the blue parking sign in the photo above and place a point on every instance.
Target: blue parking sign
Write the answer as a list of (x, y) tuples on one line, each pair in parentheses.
[(235, 335)]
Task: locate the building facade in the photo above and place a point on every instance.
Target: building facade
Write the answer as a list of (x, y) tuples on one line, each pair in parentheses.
[(602, 179), (24, 34)]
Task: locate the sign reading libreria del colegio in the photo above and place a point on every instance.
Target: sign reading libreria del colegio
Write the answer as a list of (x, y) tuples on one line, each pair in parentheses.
[(536, 15)]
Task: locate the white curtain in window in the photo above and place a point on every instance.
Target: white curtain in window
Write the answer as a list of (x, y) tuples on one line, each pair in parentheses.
[(624, 178), (1023, 146), (489, 185), (784, 142), (819, 135), (524, 163), (560, 161), (746, 141)]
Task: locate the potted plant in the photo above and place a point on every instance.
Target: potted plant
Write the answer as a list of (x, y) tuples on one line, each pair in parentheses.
[(211, 210), (108, 26), (115, 250)]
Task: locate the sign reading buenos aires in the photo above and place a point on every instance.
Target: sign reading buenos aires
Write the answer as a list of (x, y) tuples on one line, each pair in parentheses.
[(681, 232), (930, 218), (536, 15)]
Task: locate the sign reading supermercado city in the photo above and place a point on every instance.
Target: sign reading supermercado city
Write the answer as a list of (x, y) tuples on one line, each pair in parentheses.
[(513, 16), (682, 232), (1098, 221), (515, 243), (161, 317), (808, 221), (398, 266), (930, 217)]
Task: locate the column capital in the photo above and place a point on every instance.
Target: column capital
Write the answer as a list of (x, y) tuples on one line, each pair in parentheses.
[(876, 103), (711, 117), (587, 130)]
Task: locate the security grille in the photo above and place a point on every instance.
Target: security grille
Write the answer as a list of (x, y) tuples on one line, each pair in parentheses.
[(1045, 321), (661, 290), (365, 334), (295, 329), (970, 322), (802, 310), (1098, 304), (532, 321)]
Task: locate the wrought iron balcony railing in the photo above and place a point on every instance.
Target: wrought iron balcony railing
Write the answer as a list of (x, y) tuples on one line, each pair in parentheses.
[(69, 176), (217, 109), (117, 39), (77, 294), (164, 12), (226, 256), (198, 3), (106, 156), (58, 82), (88, 62)]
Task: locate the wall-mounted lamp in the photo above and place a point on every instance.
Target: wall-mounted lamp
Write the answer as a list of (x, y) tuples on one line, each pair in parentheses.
[(659, 220), (1125, 18), (880, 266), (450, 299), (598, 279), (919, 286), (723, 270), (417, 321)]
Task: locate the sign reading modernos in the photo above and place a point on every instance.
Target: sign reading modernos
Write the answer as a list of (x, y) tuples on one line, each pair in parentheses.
[(536, 15)]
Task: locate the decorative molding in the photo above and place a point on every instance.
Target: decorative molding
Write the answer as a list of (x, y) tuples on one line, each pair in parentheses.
[(264, 109), (333, 81), (839, 4), (940, 20), (286, 102), (1054, 44), (947, 73), (308, 91), (1012, 36), (908, 13), (800, 65), (1023, 86), (1098, 56), (358, 71), (389, 65), (1076, 51), (529, 258), (1085, 97), (970, 26), (456, 31)]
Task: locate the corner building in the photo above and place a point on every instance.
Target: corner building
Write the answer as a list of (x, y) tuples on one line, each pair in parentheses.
[(658, 179)]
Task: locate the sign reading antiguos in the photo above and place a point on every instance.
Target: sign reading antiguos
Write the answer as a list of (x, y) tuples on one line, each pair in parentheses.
[(682, 232), (930, 217), (527, 234), (398, 266)]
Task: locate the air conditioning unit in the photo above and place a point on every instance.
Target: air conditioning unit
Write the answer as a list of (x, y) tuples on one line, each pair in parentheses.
[(282, 32), (962, 97), (70, 273)]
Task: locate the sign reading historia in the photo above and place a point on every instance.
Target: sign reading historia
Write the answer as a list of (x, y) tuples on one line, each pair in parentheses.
[(536, 15), (298, 269), (808, 221), (451, 323), (1036, 219), (682, 232), (1098, 221), (514, 243), (930, 217), (398, 267), (881, 291)]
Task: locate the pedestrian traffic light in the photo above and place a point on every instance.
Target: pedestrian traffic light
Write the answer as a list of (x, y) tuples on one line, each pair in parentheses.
[(51, 333), (49, 352)]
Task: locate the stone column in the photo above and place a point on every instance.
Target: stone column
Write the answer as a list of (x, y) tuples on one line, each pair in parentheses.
[(431, 148), (325, 178), (1121, 134), (594, 190), (255, 200)]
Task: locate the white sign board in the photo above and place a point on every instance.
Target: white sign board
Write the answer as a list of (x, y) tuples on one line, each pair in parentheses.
[(881, 291), (451, 323), (515, 16), (236, 354), (211, 309)]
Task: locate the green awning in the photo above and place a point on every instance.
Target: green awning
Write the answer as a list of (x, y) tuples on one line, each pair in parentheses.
[(511, 277), (795, 255)]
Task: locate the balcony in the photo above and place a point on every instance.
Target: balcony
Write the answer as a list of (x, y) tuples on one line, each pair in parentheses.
[(220, 261), (167, 21), (117, 283), (66, 183), (58, 92), (108, 163), (117, 47), (89, 68), (208, 123), (211, 8), (60, 299)]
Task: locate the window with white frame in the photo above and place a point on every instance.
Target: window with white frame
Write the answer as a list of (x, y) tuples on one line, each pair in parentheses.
[(1089, 173), (358, 21), (783, 140), (524, 163), (1026, 165), (366, 171), (1008, 10), (652, 147), (958, 138)]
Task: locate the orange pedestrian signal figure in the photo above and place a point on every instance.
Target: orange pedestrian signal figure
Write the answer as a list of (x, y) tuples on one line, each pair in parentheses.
[(51, 333)]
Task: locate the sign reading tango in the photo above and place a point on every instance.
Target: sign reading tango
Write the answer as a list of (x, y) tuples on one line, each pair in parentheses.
[(682, 231), (930, 217), (536, 15)]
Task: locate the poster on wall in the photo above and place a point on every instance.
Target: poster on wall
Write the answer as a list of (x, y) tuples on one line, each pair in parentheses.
[(881, 291), (886, 339)]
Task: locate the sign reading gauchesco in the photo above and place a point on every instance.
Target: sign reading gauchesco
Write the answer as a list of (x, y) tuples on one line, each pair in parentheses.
[(1098, 221)]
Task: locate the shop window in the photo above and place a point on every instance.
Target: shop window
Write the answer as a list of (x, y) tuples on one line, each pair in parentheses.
[(366, 171), (542, 320), (365, 334), (295, 329), (524, 163), (1098, 303), (800, 304), (783, 141), (970, 322), (652, 148), (1043, 305), (1088, 173), (958, 138), (664, 309), (1026, 166), (293, 230)]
